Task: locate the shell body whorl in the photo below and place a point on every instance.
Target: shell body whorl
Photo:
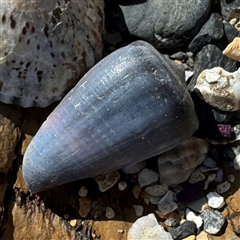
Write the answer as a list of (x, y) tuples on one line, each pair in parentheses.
[(127, 108), (46, 46)]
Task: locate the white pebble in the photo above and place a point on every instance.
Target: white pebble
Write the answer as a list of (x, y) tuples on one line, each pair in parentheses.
[(83, 191), (191, 216), (138, 210), (215, 200), (146, 228), (223, 187), (109, 213), (122, 185), (147, 176)]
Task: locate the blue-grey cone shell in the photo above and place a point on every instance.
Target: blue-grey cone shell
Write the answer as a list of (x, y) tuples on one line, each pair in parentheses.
[(129, 107)]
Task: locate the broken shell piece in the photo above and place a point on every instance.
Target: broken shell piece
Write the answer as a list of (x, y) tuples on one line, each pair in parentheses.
[(215, 200), (219, 88), (107, 180), (223, 187), (85, 205), (233, 49), (83, 191), (236, 162), (109, 213), (138, 210), (196, 176), (157, 190), (136, 191), (147, 176), (122, 185)]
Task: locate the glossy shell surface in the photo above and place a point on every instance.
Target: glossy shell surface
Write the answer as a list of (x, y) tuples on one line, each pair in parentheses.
[(131, 106), (46, 47)]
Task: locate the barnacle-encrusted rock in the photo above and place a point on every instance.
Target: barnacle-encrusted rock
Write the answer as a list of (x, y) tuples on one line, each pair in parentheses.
[(46, 46), (233, 49), (219, 88)]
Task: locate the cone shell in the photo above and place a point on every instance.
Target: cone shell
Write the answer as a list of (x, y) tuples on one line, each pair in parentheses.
[(46, 46), (130, 106)]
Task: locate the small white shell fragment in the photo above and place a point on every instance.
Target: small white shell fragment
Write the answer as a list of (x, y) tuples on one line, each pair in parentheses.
[(107, 180), (196, 176), (120, 231), (138, 210), (231, 178), (83, 191), (73, 223), (147, 176), (233, 49), (122, 185), (191, 216), (146, 228), (167, 204), (136, 191), (219, 88), (233, 21), (134, 167), (223, 187), (109, 213), (157, 190), (215, 200), (209, 162)]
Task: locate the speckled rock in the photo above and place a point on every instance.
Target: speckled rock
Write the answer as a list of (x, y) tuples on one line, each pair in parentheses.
[(230, 9), (10, 117), (162, 24), (213, 221), (46, 47), (211, 56)]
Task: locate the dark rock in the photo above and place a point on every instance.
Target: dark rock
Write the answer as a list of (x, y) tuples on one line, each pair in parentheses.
[(213, 221), (221, 116), (211, 31), (230, 9), (230, 31), (163, 23), (211, 56), (178, 55), (191, 193), (97, 209), (184, 230)]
